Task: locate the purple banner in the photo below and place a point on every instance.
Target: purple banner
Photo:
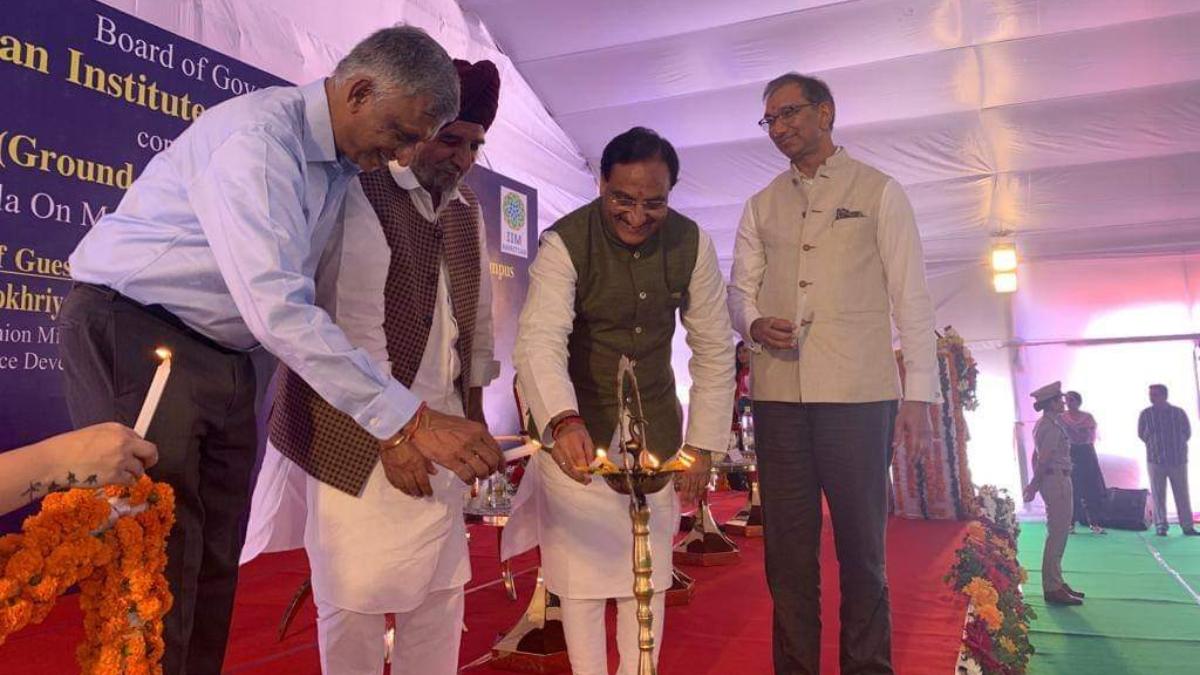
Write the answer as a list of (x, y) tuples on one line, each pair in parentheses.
[(90, 95)]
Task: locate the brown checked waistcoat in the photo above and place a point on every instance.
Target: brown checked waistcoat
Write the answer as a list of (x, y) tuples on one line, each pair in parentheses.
[(328, 443)]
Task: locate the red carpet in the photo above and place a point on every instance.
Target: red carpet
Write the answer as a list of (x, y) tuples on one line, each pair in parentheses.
[(726, 629)]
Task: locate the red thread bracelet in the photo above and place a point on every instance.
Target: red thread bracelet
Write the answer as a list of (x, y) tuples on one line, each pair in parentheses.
[(563, 422)]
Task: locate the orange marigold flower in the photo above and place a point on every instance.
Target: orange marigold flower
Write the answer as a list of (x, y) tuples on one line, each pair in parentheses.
[(149, 608), (135, 647), (9, 588), (117, 562), (41, 539), (982, 592), (11, 619), (23, 565), (109, 659), (155, 647), (17, 614), (46, 591), (992, 616), (10, 543), (39, 611), (141, 490), (140, 583), (115, 491)]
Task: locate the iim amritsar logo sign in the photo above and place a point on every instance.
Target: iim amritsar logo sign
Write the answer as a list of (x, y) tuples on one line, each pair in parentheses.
[(514, 219)]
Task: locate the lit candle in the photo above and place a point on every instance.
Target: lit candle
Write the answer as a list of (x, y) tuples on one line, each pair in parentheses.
[(157, 385), (602, 464), (513, 454)]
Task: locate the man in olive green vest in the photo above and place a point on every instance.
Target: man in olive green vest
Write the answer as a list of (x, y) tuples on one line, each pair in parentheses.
[(609, 281)]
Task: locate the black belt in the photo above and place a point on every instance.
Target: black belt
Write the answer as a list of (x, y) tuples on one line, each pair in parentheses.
[(162, 314)]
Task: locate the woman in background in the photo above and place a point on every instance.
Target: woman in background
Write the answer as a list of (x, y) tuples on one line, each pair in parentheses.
[(1090, 491), (741, 413), (741, 399)]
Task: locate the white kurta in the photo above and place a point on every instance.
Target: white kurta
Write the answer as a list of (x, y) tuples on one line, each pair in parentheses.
[(381, 551), (584, 531)]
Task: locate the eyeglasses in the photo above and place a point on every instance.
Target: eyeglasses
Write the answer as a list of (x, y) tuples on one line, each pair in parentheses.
[(628, 203), (785, 113)]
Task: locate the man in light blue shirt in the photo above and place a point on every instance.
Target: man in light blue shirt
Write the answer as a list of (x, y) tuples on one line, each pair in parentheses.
[(211, 253)]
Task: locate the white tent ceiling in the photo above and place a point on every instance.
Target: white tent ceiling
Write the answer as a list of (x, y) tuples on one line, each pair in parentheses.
[(1074, 124)]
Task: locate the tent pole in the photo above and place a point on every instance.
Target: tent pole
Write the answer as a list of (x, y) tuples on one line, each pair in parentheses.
[(1014, 368)]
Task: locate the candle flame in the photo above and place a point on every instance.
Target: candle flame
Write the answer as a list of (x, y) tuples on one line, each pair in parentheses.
[(648, 461), (162, 353), (682, 461), (602, 465)]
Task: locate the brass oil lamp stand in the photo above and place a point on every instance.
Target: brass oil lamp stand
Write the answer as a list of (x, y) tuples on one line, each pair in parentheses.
[(639, 474)]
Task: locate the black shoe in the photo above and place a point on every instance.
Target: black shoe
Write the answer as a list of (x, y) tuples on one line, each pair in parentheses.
[(1162, 533), (1072, 591), (1191, 533), (1062, 597)]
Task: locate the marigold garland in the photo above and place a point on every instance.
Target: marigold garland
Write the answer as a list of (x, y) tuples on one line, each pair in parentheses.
[(112, 543), (996, 634), (951, 345), (936, 483)]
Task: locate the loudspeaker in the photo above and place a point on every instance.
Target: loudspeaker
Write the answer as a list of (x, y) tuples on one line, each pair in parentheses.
[(1126, 509)]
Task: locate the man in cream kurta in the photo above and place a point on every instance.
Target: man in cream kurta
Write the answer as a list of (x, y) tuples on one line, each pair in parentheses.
[(397, 544), (610, 279), (826, 257)]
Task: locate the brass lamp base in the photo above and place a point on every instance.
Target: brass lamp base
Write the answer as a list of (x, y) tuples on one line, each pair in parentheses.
[(705, 545), (749, 521), (536, 643), (683, 587)]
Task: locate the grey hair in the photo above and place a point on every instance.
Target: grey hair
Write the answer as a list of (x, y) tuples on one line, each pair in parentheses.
[(405, 59), (815, 90)]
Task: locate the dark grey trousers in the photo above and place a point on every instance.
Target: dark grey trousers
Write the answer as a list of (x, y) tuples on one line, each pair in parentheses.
[(841, 450), (205, 432)]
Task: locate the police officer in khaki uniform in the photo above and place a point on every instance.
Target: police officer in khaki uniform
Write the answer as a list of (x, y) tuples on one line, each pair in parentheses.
[(1052, 477)]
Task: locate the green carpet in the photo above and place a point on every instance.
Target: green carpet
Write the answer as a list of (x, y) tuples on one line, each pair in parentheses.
[(1137, 619)]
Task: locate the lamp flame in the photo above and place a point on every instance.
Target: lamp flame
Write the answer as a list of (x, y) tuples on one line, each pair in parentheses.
[(602, 464), (682, 461)]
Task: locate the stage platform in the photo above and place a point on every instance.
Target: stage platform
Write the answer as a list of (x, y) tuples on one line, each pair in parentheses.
[(1142, 611), (725, 630)]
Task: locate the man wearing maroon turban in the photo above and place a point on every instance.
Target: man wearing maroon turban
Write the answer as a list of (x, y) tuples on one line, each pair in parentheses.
[(409, 284)]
